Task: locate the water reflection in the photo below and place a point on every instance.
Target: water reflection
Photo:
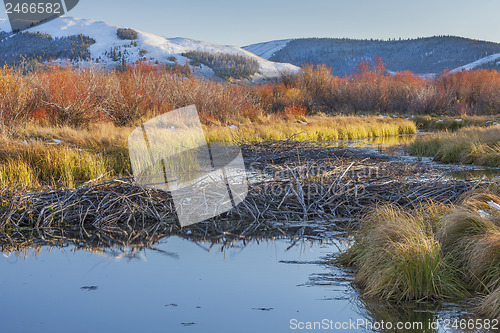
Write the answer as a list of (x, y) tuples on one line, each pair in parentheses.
[(179, 284), (428, 317), (420, 317), (490, 174), (379, 143)]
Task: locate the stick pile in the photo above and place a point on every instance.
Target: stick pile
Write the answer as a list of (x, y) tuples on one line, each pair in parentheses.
[(311, 191)]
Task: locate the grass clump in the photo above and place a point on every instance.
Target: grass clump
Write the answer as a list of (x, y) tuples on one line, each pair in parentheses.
[(490, 305), (471, 234), (398, 259), (475, 145), (436, 252)]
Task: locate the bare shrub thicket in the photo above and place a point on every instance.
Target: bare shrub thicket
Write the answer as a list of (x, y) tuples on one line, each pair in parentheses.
[(70, 97), (372, 89), (18, 100), (77, 97), (147, 90)]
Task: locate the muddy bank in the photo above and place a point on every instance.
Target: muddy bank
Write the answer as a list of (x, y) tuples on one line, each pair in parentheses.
[(295, 189)]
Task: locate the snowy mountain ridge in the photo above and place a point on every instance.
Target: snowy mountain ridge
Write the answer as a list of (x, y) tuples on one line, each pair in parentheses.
[(426, 56), (149, 47)]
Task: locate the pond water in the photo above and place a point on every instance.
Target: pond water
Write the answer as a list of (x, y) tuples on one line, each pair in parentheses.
[(183, 286), (382, 143), (186, 286), (394, 146)]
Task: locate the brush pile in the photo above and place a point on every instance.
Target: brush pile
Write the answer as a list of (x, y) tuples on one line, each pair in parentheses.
[(295, 189)]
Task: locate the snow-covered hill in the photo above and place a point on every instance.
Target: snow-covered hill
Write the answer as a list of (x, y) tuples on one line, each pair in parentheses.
[(267, 49), (148, 46)]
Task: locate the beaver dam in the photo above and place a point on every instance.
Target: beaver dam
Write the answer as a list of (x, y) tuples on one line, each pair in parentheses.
[(296, 189)]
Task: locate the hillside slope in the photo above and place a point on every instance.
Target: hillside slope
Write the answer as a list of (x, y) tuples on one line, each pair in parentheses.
[(109, 50), (421, 55), (489, 62)]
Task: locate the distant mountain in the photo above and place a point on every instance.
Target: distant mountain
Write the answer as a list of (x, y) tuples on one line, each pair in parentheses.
[(421, 55), (89, 42)]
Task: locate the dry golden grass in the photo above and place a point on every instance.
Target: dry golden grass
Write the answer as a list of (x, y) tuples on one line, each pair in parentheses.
[(37, 164), (100, 135), (31, 159), (316, 128), (435, 252), (474, 145)]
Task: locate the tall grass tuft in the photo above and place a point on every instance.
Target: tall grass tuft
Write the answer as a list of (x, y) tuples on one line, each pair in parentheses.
[(471, 234), (434, 252), (490, 305), (398, 259), (474, 145)]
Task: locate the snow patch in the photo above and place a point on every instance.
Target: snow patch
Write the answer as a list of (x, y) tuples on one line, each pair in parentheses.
[(267, 49), (478, 63)]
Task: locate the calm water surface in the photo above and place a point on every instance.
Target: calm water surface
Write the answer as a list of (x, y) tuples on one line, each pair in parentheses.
[(182, 286)]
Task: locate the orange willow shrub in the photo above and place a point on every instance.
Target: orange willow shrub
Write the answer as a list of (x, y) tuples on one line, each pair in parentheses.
[(17, 100), (137, 93), (372, 89), (71, 96), (366, 86), (400, 91), (295, 110), (76, 97), (133, 94), (471, 92), (215, 101), (276, 97)]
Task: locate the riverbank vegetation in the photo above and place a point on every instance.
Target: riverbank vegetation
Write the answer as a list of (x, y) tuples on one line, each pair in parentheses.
[(474, 145), (37, 156), (52, 116), (448, 123), (77, 97), (436, 252)]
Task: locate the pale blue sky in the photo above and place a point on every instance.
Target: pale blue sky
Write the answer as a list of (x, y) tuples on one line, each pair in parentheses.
[(245, 22)]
